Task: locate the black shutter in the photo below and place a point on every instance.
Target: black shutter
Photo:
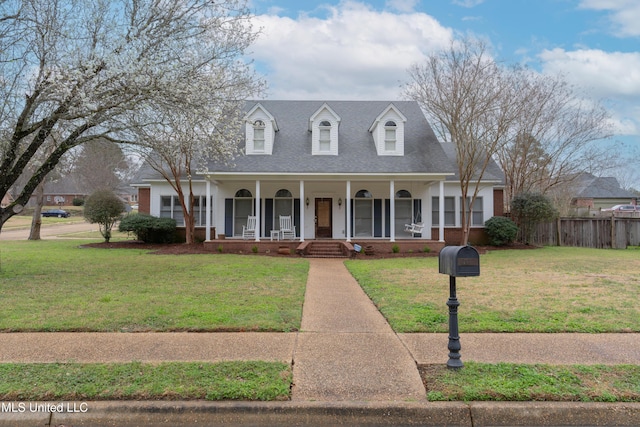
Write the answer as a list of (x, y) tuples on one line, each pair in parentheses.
[(228, 217), (377, 217)]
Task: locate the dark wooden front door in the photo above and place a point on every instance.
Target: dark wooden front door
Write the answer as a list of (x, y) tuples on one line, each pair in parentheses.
[(323, 218)]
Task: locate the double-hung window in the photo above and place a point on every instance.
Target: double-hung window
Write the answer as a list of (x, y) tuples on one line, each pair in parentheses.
[(324, 140), (258, 135), (476, 213), (449, 211), (390, 136), (170, 207)]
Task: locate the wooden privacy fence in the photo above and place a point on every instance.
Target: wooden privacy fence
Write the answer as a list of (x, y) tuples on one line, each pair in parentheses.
[(602, 233)]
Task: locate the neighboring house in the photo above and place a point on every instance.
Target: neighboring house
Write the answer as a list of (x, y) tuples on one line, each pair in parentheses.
[(61, 192), (594, 193), (341, 169)]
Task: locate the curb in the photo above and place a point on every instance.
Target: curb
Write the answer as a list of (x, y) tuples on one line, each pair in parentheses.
[(198, 413)]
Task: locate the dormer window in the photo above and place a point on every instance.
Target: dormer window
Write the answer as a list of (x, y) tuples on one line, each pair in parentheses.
[(390, 136), (260, 131), (324, 139), (323, 125), (258, 135), (388, 132)]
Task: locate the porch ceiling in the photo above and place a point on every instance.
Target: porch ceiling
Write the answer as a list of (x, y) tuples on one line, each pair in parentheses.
[(243, 176)]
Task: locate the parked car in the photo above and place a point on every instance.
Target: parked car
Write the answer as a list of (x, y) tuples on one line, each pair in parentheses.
[(622, 208), (59, 213)]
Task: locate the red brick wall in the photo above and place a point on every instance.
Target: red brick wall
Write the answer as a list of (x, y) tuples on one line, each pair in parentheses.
[(498, 202), (144, 200), (453, 236)]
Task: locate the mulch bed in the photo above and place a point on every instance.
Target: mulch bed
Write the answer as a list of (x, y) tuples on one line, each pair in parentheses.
[(198, 248)]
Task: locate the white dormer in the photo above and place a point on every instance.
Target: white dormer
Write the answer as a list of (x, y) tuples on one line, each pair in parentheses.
[(260, 130), (323, 126), (388, 132)]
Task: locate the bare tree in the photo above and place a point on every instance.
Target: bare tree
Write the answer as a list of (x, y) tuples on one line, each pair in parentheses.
[(537, 127), (554, 138), (85, 69), (471, 102)]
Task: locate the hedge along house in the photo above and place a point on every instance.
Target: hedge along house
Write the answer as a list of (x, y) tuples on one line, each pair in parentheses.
[(343, 170)]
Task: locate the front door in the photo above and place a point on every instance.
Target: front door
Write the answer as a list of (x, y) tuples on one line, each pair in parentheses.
[(323, 218)]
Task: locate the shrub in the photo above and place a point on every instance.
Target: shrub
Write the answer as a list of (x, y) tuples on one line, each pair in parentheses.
[(501, 230), (426, 249), (78, 201), (149, 229), (104, 208), (530, 209), (395, 249)]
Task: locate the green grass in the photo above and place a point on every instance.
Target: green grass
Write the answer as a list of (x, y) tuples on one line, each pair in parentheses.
[(538, 290), (144, 381), (514, 382), (54, 285)]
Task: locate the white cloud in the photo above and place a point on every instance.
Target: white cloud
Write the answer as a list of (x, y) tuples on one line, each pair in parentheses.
[(625, 15), (611, 76), (354, 53), (605, 73)]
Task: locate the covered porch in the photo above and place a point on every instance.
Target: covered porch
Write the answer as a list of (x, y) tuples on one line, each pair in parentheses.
[(364, 207)]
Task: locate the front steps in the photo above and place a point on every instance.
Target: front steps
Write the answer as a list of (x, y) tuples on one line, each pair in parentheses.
[(325, 249)]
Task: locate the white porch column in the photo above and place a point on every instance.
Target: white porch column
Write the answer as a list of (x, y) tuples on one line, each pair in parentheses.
[(347, 206), (392, 211), (207, 210), (441, 212), (302, 211), (258, 208)]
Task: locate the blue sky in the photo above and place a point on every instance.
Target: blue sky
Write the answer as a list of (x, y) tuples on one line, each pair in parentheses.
[(361, 49)]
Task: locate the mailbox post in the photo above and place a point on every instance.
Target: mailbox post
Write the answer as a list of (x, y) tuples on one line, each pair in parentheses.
[(457, 261)]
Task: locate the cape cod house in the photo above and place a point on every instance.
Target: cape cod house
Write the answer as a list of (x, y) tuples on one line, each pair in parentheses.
[(344, 170)]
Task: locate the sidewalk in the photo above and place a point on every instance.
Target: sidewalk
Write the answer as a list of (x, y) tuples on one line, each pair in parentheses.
[(349, 367)]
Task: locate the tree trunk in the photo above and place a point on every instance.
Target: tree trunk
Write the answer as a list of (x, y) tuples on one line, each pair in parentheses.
[(36, 220)]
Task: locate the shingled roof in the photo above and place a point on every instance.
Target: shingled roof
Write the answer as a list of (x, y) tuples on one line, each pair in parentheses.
[(594, 187), (423, 153)]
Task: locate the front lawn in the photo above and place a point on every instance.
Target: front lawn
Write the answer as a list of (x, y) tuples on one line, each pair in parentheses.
[(144, 381), (517, 382), (54, 285), (551, 289)]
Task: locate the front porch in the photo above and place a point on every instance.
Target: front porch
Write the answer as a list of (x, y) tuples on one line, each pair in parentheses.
[(346, 249)]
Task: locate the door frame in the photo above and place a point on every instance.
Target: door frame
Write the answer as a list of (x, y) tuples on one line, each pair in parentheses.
[(326, 234)]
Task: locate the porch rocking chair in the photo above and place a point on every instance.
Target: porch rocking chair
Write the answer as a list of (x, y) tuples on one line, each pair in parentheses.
[(249, 230), (287, 229)]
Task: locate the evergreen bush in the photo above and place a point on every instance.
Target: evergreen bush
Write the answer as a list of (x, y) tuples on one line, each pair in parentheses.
[(501, 230), (149, 229)]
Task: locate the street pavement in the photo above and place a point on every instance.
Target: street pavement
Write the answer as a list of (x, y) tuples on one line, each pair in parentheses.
[(349, 368)]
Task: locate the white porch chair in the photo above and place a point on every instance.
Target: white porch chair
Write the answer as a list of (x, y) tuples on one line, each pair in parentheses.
[(249, 230), (287, 229)]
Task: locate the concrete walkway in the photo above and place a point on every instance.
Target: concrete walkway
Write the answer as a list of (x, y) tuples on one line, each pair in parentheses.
[(348, 367), (346, 350)]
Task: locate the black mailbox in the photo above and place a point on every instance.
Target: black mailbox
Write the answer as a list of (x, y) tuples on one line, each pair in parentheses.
[(459, 261)]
